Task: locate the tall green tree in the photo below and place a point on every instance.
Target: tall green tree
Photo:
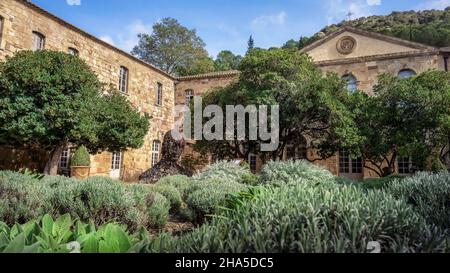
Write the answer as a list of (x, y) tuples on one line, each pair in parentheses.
[(174, 49), (226, 60), (405, 118), (50, 99), (312, 105), (250, 43), (291, 44)]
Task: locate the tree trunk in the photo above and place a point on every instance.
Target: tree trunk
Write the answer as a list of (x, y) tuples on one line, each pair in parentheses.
[(51, 168)]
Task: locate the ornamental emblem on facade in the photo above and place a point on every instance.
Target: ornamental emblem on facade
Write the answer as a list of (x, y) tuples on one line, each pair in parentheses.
[(346, 45)]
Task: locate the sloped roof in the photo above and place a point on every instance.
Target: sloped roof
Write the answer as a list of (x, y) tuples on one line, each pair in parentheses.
[(220, 74), (370, 34), (92, 37)]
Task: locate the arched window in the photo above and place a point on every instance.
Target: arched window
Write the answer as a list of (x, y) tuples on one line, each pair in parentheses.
[(73, 51), (352, 82), (406, 73), (38, 41)]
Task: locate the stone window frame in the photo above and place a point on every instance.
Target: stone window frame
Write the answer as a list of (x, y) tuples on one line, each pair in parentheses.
[(156, 148), (124, 76), (404, 165), (73, 51), (351, 82), (64, 160), (189, 96), (39, 41), (2, 28), (349, 165), (159, 94), (116, 161), (408, 73)]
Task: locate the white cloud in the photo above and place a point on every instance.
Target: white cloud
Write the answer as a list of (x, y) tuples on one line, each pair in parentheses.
[(374, 2), (108, 39), (338, 10), (73, 2), (434, 4), (265, 20), (126, 38)]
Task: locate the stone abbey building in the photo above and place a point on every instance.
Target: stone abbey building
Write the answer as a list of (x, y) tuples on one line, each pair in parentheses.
[(358, 56)]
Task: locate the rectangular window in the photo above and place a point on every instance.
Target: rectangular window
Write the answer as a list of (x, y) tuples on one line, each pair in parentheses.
[(357, 165), (253, 162), (348, 165), (159, 94), (344, 162), (38, 41), (123, 81), (155, 152), (2, 22), (64, 160), (404, 165), (116, 161), (189, 94)]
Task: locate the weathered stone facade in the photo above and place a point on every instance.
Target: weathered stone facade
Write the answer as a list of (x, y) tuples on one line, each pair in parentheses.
[(200, 84), (348, 51), (21, 19)]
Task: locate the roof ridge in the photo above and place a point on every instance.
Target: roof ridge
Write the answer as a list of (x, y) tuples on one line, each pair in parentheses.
[(96, 39), (210, 75), (372, 34)]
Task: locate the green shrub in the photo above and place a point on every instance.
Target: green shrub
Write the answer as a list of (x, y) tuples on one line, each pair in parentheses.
[(99, 200), (81, 158), (21, 198), (428, 193), (279, 173), (380, 183), (227, 171), (210, 195), (157, 210), (154, 205), (249, 179), (304, 219), (171, 194), (186, 213), (182, 183)]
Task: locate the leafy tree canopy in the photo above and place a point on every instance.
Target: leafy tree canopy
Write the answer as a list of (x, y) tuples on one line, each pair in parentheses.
[(430, 27), (406, 117), (226, 60), (49, 99), (174, 48), (311, 104)]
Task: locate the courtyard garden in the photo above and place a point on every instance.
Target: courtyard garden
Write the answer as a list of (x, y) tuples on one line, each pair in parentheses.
[(291, 207)]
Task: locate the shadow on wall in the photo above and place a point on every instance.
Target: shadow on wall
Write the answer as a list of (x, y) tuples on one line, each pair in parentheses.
[(18, 159)]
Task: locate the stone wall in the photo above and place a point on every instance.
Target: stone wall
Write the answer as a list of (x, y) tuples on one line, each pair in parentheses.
[(373, 54), (200, 84), (22, 18), (367, 70)]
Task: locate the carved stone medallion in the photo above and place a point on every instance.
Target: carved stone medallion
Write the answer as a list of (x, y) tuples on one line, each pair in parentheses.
[(346, 45)]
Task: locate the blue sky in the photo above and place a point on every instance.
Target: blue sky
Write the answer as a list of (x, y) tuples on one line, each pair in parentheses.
[(222, 24)]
